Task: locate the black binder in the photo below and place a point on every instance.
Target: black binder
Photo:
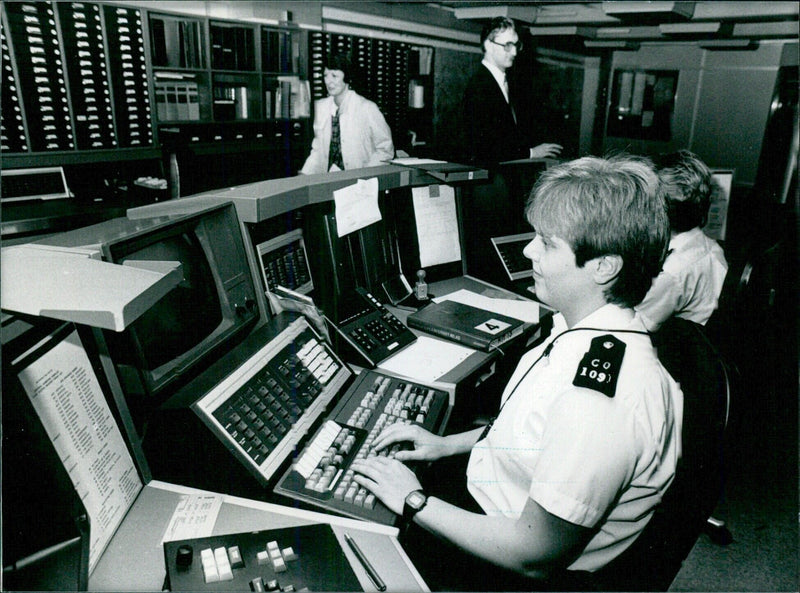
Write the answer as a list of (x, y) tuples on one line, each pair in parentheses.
[(473, 327)]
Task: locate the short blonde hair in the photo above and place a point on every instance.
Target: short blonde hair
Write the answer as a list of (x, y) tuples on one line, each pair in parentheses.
[(606, 206)]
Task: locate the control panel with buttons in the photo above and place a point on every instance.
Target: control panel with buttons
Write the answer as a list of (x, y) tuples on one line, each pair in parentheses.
[(305, 558)]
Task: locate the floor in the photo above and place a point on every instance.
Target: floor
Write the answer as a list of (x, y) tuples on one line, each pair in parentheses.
[(760, 506), (761, 511)]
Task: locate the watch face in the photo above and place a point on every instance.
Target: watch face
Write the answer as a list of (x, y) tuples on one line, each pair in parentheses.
[(415, 499)]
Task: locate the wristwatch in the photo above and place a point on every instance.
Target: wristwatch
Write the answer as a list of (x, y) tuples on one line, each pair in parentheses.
[(415, 502)]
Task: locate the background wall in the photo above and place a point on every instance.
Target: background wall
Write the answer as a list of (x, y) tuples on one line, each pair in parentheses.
[(721, 109), (452, 70), (721, 106)]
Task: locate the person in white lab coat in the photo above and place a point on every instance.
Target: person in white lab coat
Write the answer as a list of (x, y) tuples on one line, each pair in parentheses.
[(350, 131)]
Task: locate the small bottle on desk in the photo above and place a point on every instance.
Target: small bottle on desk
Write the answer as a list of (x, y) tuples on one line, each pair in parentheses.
[(421, 287)]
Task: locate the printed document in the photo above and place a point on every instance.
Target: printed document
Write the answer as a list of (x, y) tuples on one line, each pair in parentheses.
[(356, 206), (67, 396), (437, 224), (194, 517), (427, 359)]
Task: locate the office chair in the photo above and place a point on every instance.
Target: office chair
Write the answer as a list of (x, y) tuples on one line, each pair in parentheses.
[(747, 303), (757, 303), (653, 560)]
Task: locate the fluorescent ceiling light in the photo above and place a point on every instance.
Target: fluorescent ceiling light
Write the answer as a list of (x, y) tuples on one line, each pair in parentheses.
[(525, 14), (723, 44), (635, 9), (629, 33), (588, 32), (619, 45), (689, 28), (349, 18)]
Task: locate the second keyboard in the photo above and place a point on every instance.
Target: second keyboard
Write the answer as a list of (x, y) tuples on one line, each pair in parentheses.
[(321, 473)]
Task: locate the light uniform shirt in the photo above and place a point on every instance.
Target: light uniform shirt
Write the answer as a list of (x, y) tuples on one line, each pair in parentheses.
[(587, 458), (366, 139), (689, 283)]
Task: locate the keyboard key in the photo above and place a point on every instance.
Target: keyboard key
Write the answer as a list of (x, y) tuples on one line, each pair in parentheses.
[(289, 554), (235, 556)]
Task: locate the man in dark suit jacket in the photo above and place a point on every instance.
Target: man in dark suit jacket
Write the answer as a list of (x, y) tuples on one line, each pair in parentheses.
[(490, 120)]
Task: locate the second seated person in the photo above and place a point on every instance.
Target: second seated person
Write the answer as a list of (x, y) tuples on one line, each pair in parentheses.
[(350, 132), (691, 280)]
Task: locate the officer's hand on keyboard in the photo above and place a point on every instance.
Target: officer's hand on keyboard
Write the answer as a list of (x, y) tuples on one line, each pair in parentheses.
[(388, 479), (424, 446)]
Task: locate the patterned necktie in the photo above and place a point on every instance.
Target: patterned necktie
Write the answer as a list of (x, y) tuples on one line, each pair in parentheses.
[(508, 98), (335, 153)]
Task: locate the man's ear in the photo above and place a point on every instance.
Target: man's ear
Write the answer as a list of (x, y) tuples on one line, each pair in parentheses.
[(607, 268)]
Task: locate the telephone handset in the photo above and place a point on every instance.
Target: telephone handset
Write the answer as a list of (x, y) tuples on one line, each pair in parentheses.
[(372, 329)]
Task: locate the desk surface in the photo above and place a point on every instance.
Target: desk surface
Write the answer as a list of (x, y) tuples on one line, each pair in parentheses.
[(477, 359), (134, 559)]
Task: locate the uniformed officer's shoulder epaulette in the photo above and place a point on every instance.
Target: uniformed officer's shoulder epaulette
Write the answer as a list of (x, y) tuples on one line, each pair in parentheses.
[(599, 367)]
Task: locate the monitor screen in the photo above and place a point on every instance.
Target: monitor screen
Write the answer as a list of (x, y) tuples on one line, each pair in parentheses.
[(41, 183), (284, 262), (211, 308), (186, 315)]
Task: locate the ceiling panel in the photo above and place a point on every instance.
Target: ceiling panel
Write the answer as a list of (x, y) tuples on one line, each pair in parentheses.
[(623, 20)]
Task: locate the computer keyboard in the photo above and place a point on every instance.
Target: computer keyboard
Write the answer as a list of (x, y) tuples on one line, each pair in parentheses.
[(321, 473), (265, 407)]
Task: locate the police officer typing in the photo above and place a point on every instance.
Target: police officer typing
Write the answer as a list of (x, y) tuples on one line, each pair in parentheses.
[(588, 434)]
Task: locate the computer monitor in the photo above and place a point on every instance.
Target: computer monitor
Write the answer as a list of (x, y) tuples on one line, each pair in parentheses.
[(510, 249), (211, 308), (39, 183), (283, 262), (213, 304)]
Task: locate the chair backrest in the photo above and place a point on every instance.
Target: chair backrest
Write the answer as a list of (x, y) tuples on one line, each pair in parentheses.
[(653, 560), (748, 318), (692, 360)]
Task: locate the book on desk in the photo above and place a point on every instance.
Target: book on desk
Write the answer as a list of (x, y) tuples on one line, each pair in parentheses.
[(471, 326)]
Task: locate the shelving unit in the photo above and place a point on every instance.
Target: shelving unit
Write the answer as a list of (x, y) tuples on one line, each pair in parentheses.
[(95, 82), (68, 90), (110, 81), (235, 106), (113, 92), (253, 73)]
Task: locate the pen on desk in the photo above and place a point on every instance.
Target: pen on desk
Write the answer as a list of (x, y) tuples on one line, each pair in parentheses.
[(377, 581)]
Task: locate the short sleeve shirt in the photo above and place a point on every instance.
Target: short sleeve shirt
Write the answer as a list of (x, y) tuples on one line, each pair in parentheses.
[(590, 459), (690, 281)]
